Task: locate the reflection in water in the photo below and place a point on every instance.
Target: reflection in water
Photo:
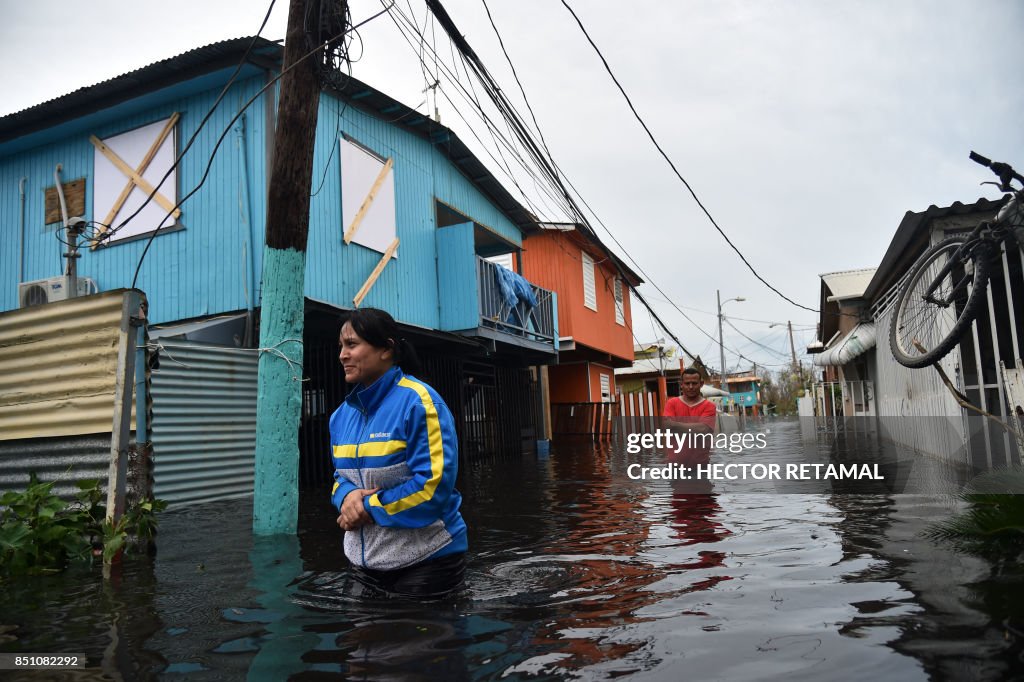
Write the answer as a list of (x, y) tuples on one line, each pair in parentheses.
[(576, 571)]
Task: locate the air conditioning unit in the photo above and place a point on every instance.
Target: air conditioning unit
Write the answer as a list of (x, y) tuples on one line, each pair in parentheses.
[(50, 290)]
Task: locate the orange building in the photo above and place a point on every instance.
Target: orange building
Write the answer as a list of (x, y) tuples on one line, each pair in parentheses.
[(594, 317)]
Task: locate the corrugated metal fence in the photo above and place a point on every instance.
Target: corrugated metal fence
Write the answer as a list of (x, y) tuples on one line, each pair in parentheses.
[(58, 365), (204, 422)]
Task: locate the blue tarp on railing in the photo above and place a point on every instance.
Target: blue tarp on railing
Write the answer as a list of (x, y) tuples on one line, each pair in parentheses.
[(518, 295)]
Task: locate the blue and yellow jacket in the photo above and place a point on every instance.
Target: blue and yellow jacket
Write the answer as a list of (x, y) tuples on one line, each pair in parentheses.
[(398, 435)]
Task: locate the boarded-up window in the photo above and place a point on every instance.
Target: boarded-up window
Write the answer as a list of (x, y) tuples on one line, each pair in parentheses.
[(620, 313), (589, 290), (128, 168), (367, 197), (74, 198)]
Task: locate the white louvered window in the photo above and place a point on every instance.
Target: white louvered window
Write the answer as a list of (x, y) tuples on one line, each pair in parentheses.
[(620, 311), (505, 260), (589, 290), (606, 388)]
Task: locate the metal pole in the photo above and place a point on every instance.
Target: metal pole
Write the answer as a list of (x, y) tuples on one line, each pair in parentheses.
[(792, 348), (721, 342), (75, 228), (124, 382)]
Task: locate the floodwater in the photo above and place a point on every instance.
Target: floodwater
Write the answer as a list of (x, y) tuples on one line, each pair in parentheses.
[(576, 572)]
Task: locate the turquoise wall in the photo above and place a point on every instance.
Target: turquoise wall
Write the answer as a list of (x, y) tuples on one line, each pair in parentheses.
[(408, 286), (203, 269), (456, 264), (198, 270)]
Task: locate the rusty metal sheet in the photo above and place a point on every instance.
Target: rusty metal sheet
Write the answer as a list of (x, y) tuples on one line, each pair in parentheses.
[(57, 366)]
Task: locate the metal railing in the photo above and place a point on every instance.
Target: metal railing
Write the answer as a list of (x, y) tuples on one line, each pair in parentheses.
[(536, 323), (583, 419)]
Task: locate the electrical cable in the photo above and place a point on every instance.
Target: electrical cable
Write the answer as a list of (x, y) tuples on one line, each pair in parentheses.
[(195, 134), (754, 341), (231, 123), (473, 100), (672, 165), (545, 164)]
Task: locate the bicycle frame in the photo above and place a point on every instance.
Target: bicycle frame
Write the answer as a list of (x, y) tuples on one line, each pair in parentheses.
[(920, 334), (962, 256)]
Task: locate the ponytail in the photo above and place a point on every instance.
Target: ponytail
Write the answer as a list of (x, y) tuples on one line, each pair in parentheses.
[(407, 358), (379, 329)]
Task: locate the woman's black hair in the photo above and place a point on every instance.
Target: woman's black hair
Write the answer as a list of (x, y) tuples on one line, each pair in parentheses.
[(379, 329)]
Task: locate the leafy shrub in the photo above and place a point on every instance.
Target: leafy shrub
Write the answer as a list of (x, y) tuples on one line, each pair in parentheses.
[(41, 533), (993, 522)]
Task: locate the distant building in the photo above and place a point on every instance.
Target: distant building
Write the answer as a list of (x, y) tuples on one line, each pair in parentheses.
[(595, 322), (913, 408)]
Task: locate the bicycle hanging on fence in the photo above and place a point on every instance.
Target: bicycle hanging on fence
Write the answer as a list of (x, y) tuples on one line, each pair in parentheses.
[(945, 290)]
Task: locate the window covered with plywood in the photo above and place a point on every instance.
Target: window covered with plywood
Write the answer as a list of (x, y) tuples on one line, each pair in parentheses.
[(367, 197), (135, 180)]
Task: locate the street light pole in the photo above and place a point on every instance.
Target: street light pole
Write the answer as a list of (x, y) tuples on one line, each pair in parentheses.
[(721, 340)]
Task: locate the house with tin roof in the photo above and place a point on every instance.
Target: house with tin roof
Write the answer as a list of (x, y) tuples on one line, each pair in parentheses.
[(163, 173), (914, 408)]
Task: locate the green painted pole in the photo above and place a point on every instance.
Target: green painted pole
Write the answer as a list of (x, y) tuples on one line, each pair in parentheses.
[(279, 402)]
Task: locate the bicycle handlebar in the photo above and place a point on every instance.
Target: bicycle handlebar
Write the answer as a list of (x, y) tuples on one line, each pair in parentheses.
[(978, 158), (1003, 170)]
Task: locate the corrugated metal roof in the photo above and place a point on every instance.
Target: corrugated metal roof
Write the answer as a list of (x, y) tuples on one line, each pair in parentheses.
[(132, 84), (898, 257), (648, 366), (57, 367), (847, 283), (265, 53)]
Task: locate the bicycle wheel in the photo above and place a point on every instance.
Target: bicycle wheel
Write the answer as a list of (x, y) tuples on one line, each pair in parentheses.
[(937, 328)]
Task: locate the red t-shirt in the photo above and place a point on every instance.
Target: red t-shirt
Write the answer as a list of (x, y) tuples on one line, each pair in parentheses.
[(703, 412)]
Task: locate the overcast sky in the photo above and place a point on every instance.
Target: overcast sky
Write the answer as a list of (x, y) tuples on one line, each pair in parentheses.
[(807, 128)]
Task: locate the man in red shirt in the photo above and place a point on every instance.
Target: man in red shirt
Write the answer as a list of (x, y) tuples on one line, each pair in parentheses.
[(694, 413)]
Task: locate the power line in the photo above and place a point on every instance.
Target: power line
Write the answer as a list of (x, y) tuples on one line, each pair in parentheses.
[(474, 102), (673, 166), (320, 47), (577, 193), (545, 163), (191, 140), (755, 342)]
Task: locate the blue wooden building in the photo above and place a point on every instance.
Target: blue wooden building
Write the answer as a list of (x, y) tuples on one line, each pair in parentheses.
[(403, 217)]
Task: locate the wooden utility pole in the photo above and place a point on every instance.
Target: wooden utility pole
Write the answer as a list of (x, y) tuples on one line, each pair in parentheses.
[(792, 348), (798, 367), (279, 403)]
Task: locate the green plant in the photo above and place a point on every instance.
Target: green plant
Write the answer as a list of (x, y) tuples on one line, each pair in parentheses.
[(42, 533), (993, 522)]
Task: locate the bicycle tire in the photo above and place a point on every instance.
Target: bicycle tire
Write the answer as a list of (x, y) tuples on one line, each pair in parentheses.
[(938, 329)]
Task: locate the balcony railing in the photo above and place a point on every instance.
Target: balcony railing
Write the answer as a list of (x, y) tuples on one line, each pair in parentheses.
[(535, 323)]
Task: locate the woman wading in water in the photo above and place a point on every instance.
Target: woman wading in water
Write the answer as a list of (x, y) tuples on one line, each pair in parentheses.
[(395, 457)]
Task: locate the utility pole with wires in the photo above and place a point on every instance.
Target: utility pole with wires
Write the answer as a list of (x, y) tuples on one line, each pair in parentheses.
[(279, 402), (792, 347)]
